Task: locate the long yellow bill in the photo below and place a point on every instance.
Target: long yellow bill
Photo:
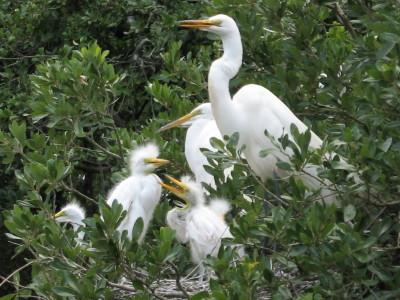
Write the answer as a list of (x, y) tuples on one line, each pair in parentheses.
[(179, 121), (156, 161), (57, 215), (180, 191), (198, 23)]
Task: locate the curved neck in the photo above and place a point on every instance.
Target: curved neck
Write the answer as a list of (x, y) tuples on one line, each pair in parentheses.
[(221, 71)]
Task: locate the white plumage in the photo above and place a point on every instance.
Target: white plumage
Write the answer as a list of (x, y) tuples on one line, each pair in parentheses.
[(253, 109), (74, 214), (201, 226), (202, 127), (140, 193)]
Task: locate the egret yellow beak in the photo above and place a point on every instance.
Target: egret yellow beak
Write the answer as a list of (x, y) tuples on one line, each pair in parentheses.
[(180, 192), (59, 214), (180, 121), (199, 23), (156, 161)]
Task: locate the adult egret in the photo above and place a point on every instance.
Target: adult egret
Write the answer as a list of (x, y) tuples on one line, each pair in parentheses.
[(197, 223), (202, 128), (140, 193), (253, 109), (72, 213)]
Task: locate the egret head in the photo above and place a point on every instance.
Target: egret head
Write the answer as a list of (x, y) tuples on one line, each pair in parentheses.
[(218, 24), (144, 159), (72, 213), (203, 111), (187, 189)]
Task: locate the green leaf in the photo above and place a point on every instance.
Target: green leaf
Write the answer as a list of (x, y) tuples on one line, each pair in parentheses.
[(385, 49), (341, 165), (380, 272), (283, 165), (64, 291), (8, 297), (137, 229), (217, 144), (78, 129), (266, 152), (349, 212), (384, 146), (19, 132), (201, 295)]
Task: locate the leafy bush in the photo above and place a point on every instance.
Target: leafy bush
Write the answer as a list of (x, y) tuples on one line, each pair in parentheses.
[(72, 110)]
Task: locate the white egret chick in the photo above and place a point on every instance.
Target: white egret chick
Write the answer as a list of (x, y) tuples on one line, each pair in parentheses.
[(202, 128), (72, 213), (253, 109), (204, 227), (140, 193)]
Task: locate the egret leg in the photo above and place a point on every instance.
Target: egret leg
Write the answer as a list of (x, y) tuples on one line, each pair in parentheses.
[(202, 272), (276, 185), (275, 179)]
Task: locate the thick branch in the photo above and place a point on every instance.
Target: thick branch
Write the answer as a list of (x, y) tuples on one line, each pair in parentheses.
[(344, 19)]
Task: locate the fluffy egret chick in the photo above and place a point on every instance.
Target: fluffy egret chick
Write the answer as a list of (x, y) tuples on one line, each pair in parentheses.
[(204, 228), (140, 193), (72, 213), (202, 127), (252, 110)]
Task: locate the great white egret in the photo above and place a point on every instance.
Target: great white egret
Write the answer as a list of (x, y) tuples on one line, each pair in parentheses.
[(202, 128), (140, 193), (72, 213), (197, 223), (253, 109)]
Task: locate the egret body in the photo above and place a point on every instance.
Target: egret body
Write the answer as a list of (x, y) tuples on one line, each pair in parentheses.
[(253, 109), (202, 127), (140, 193), (197, 223)]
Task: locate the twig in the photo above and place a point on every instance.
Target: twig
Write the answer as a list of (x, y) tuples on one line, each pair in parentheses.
[(78, 193), (122, 287), (344, 19), (367, 10), (375, 218), (104, 150), (16, 271), (178, 281)]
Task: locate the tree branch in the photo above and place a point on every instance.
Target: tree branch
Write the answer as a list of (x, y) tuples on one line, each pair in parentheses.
[(16, 271), (178, 280), (72, 190), (343, 18)]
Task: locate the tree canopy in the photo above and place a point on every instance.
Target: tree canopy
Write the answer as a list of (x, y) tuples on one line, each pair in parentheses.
[(84, 82)]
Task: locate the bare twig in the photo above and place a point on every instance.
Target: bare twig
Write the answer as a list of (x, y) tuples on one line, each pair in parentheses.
[(178, 281), (104, 150), (70, 189), (375, 218), (16, 271), (121, 286)]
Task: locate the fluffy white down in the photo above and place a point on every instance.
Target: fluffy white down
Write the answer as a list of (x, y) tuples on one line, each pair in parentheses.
[(140, 193), (74, 214)]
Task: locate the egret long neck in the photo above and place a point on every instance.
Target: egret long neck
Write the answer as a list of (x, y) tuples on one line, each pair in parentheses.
[(221, 71)]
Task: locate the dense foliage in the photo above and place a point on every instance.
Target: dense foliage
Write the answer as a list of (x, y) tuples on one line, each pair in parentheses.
[(83, 82)]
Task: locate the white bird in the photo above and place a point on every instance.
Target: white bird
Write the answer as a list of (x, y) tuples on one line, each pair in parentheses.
[(74, 214), (140, 193), (197, 223), (202, 128), (253, 109)]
